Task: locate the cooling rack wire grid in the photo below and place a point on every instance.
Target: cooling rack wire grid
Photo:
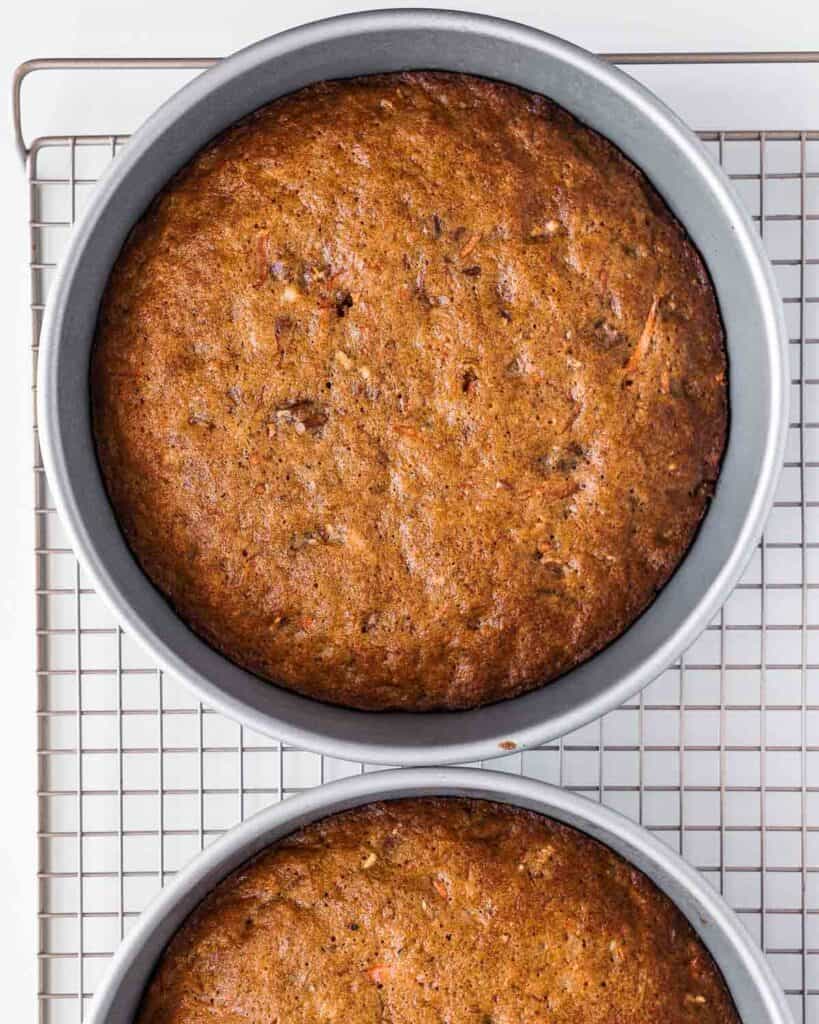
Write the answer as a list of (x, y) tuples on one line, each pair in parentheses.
[(719, 757)]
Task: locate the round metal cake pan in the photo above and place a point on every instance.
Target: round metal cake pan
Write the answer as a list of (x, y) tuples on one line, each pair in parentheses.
[(758, 997), (697, 192)]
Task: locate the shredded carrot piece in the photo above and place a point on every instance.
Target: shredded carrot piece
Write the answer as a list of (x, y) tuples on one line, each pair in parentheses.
[(440, 888), (408, 430), (261, 260), (470, 245), (552, 490), (573, 416), (379, 973), (641, 348)]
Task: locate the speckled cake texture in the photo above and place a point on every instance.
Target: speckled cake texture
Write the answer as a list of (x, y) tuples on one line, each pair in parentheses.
[(437, 910), (409, 392)]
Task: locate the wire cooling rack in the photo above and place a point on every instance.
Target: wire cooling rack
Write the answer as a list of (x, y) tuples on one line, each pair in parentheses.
[(719, 757)]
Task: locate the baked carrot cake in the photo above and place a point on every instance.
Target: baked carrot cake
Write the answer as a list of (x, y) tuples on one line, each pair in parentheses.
[(438, 909), (409, 391)]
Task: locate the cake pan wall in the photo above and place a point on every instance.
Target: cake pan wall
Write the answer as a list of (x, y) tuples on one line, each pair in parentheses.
[(697, 192), (757, 996)]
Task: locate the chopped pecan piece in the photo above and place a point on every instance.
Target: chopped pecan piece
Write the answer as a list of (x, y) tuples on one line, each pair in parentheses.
[(518, 367), (308, 274), (541, 232), (305, 415), (607, 336), (344, 301), (329, 534), (277, 270), (334, 534), (300, 541), (200, 419), (561, 459), (281, 325), (370, 622), (555, 569)]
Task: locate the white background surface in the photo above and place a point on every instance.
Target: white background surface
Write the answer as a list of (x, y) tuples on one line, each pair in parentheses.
[(203, 28)]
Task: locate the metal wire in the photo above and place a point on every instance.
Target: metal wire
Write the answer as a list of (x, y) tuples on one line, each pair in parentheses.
[(720, 756)]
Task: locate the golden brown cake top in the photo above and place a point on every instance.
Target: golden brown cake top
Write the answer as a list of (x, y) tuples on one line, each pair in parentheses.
[(409, 391), (430, 910)]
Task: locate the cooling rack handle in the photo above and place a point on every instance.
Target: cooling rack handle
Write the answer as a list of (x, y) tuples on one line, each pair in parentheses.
[(89, 63), (180, 63), (717, 57)]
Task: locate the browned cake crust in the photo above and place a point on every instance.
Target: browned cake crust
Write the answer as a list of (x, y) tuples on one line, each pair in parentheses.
[(423, 911), (409, 392)]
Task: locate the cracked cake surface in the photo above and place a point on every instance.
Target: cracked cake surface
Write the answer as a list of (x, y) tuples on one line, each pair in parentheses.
[(409, 392), (437, 909)]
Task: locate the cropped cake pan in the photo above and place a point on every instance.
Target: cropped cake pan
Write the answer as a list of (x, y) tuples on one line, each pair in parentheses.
[(695, 189), (757, 996)]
